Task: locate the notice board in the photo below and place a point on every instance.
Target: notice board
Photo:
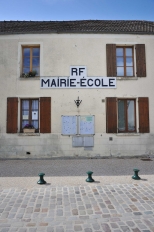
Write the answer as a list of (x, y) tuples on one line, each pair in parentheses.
[(69, 125), (86, 125)]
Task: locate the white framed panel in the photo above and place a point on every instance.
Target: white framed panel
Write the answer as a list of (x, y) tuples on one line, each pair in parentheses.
[(69, 125), (87, 125)]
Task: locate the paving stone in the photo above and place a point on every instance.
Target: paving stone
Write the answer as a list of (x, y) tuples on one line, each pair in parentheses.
[(77, 228)]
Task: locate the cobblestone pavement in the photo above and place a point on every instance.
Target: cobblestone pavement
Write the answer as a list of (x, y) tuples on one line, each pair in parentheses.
[(114, 202)]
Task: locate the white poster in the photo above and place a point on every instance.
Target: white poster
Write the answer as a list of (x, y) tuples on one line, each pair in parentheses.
[(25, 117), (34, 115)]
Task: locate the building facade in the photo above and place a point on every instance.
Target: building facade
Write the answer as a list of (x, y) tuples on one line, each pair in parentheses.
[(86, 88)]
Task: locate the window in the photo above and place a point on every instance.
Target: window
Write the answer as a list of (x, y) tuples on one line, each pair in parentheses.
[(31, 59), (121, 115), (30, 113), (125, 61), (120, 60), (126, 115)]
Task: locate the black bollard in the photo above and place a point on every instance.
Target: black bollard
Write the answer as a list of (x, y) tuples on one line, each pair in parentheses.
[(41, 180), (90, 179), (136, 177)]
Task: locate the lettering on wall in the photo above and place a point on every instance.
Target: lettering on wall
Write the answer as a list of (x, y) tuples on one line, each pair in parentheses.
[(78, 79)]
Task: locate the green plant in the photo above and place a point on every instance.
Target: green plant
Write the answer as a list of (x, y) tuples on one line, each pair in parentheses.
[(30, 74)]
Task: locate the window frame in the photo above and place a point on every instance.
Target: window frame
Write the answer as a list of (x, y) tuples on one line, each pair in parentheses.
[(126, 115), (31, 57), (124, 57), (30, 113)]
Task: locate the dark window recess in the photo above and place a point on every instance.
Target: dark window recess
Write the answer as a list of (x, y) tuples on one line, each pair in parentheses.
[(31, 59), (126, 115), (30, 113)]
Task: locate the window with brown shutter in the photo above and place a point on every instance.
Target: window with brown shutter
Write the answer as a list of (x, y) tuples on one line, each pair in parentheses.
[(45, 115), (143, 104), (12, 115), (121, 115), (120, 60)]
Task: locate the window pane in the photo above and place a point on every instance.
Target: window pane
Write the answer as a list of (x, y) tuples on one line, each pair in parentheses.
[(129, 61), (25, 105), (26, 51), (36, 61), (24, 123), (35, 124), (128, 51), (36, 51), (120, 61), (37, 70), (26, 70), (120, 71), (121, 115), (131, 118), (35, 104), (26, 61), (129, 71), (119, 51)]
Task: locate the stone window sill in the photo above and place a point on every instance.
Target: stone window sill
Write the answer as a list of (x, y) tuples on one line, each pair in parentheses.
[(29, 134), (128, 134)]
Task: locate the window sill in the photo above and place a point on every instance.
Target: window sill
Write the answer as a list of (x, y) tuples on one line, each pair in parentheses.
[(29, 134), (128, 134), (127, 78), (29, 78)]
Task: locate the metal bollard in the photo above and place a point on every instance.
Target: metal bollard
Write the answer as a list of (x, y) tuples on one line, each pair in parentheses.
[(89, 179), (136, 177), (41, 180)]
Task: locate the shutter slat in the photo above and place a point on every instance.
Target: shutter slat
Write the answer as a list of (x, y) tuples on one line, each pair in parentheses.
[(12, 115), (143, 103), (45, 115), (140, 60), (111, 60), (111, 115)]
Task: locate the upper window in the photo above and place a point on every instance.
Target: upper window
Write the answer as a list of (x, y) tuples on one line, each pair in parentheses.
[(125, 61), (31, 61)]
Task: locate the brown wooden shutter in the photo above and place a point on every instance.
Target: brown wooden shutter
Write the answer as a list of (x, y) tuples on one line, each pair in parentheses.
[(12, 115), (140, 60), (143, 103), (45, 115), (111, 115), (111, 60)]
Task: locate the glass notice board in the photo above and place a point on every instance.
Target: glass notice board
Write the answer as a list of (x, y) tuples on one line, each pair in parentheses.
[(78, 125), (69, 125), (86, 125)]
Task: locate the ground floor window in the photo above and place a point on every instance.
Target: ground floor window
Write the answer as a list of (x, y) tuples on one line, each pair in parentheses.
[(36, 112), (126, 115), (30, 113), (122, 116)]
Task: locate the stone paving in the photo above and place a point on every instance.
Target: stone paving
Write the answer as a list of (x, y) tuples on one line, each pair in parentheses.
[(114, 202)]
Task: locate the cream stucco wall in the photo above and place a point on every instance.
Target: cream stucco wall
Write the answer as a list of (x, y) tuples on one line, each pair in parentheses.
[(58, 53)]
